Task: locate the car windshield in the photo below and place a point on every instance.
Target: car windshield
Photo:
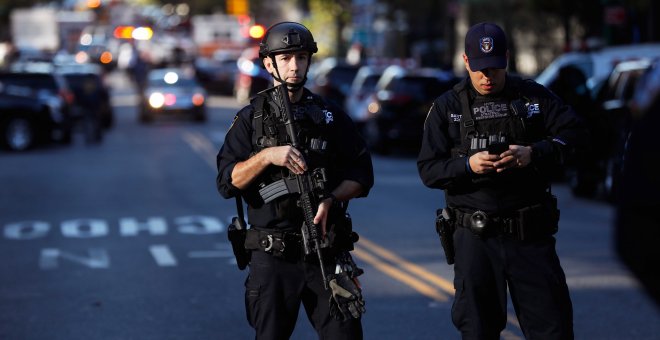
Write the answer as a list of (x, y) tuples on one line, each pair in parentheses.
[(341, 75), (370, 82), (83, 83), (79, 78)]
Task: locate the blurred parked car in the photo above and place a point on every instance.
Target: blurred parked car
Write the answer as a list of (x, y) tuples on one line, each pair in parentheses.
[(97, 45), (49, 89), (637, 230), (217, 75), (24, 122), (252, 76), (399, 106), (92, 98), (598, 171), (332, 79), (358, 97), (596, 65), (173, 91)]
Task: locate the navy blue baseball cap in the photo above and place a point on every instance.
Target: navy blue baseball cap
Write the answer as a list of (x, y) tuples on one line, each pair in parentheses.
[(485, 46)]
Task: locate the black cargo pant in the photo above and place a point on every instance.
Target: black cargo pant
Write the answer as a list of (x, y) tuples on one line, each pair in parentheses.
[(274, 289), (484, 269)]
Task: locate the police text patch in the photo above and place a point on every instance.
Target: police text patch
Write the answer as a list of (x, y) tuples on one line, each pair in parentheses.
[(490, 109)]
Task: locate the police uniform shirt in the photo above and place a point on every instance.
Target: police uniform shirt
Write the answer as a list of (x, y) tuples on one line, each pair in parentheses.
[(350, 161), (551, 128)]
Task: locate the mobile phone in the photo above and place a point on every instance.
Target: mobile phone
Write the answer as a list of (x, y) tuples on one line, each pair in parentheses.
[(497, 148)]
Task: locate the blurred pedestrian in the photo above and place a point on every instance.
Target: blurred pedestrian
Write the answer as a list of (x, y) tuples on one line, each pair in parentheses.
[(261, 162), (491, 143), (89, 96)]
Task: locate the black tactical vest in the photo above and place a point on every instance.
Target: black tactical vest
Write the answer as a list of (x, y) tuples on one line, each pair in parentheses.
[(512, 118), (313, 120)]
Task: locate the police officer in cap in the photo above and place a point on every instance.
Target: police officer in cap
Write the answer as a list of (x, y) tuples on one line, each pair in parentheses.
[(257, 155), (491, 143)]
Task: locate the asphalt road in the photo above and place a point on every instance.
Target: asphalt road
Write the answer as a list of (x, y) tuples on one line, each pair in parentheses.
[(127, 240)]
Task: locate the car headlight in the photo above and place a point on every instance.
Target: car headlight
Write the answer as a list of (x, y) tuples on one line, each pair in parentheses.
[(156, 100), (248, 67)]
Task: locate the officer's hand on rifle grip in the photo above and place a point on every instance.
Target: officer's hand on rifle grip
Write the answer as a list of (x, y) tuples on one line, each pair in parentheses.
[(322, 214), (288, 157)]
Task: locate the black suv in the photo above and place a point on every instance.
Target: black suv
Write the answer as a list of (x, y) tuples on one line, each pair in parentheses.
[(24, 122), (332, 80), (400, 104), (598, 172), (49, 90)]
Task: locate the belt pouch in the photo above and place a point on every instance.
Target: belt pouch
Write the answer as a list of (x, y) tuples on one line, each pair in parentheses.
[(252, 240), (537, 221)]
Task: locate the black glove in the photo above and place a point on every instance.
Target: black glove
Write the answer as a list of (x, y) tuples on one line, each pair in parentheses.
[(346, 300)]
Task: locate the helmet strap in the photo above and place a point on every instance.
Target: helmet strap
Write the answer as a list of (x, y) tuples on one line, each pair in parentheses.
[(290, 86)]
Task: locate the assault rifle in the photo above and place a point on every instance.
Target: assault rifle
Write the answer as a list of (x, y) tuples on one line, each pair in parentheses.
[(310, 185)]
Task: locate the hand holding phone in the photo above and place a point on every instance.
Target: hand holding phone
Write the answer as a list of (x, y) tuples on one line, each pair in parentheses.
[(497, 148)]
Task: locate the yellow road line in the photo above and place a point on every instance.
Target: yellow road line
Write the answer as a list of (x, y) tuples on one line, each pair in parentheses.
[(399, 275), (414, 283), (411, 267)]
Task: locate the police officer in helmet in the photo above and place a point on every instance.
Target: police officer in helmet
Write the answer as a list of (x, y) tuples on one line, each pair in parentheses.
[(491, 144), (257, 156)]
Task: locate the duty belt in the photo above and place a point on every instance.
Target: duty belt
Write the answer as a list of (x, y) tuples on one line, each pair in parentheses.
[(482, 224), (277, 243), (524, 224)]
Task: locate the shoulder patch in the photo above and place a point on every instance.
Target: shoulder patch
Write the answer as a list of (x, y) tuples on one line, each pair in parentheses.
[(455, 117), (329, 118)]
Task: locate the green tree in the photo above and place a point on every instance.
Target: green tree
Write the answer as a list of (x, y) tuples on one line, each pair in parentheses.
[(329, 17)]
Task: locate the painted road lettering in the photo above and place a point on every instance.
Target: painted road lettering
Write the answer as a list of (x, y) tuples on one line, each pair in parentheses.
[(132, 226), (97, 258), (127, 227)]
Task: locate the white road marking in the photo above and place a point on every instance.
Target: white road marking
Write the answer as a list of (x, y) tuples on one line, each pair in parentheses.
[(222, 251), (163, 255)]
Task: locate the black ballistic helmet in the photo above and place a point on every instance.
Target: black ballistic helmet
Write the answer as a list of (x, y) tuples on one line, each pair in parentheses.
[(286, 37)]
